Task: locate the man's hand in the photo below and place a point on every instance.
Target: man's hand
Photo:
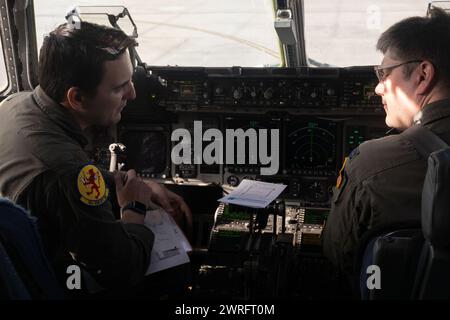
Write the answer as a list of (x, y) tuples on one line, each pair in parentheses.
[(173, 204), (130, 187)]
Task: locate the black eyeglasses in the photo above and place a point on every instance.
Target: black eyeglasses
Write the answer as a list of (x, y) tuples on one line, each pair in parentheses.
[(383, 71)]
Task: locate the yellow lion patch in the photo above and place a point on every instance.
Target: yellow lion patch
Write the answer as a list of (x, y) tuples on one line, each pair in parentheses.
[(92, 186)]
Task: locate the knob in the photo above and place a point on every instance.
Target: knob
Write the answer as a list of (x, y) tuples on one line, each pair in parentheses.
[(268, 94), (237, 94), (233, 181)]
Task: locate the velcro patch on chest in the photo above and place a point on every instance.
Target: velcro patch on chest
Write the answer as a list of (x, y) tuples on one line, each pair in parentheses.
[(92, 186)]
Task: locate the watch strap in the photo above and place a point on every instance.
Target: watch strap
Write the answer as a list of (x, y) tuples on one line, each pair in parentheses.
[(135, 206)]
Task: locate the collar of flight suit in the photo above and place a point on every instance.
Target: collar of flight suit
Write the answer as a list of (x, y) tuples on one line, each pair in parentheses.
[(433, 111), (60, 115)]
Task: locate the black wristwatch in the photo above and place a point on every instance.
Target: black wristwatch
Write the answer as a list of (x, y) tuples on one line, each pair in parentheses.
[(135, 206)]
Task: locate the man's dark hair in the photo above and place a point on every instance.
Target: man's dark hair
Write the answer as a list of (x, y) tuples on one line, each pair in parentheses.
[(73, 57), (421, 38)]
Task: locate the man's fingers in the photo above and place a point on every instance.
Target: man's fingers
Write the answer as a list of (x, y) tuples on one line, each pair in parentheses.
[(165, 204), (180, 205), (175, 204), (131, 174), (118, 181)]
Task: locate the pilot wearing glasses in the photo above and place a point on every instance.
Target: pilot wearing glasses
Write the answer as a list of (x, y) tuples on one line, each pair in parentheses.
[(381, 183)]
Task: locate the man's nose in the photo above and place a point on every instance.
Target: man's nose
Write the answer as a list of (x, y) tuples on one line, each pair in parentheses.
[(131, 94), (379, 89)]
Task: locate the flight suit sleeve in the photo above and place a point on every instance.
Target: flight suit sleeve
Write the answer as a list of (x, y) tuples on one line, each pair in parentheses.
[(343, 229), (116, 254), (109, 178)]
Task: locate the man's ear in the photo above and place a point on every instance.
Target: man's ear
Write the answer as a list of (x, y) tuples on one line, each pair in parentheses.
[(426, 77), (74, 99)]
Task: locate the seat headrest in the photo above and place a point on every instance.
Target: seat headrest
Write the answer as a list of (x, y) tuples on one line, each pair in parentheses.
[(436, 199)]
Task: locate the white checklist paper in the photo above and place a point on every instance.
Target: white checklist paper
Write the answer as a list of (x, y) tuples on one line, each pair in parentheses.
[(254, 194), (170, 246)]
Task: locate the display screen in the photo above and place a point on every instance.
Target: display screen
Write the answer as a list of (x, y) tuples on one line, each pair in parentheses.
[(311, 147), (146, 151), (253, 160)]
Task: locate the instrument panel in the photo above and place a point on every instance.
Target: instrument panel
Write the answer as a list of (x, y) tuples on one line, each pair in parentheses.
[(259, 90), (300, 122)]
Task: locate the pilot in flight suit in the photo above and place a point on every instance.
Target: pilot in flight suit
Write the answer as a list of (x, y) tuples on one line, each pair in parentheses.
[(85, 79), (381, 185), (44, 168)]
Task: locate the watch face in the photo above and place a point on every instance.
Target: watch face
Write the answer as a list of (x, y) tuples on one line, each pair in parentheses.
[(140, 206), (136, 206)]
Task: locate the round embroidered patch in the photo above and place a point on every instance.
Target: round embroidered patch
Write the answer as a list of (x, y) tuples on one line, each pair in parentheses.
[(91, 186)]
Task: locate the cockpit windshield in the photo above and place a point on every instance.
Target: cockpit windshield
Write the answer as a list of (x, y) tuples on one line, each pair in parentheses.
[(344, 33), (241, 33), (188, 33)]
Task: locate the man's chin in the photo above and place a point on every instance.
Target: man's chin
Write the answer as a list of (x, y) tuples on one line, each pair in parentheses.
[(110, 122), (388, 122), (395, 126), (116, 119)]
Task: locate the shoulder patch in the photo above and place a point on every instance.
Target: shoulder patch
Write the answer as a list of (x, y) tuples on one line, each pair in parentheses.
[(340, 183), (92, 186), (340, 177)]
